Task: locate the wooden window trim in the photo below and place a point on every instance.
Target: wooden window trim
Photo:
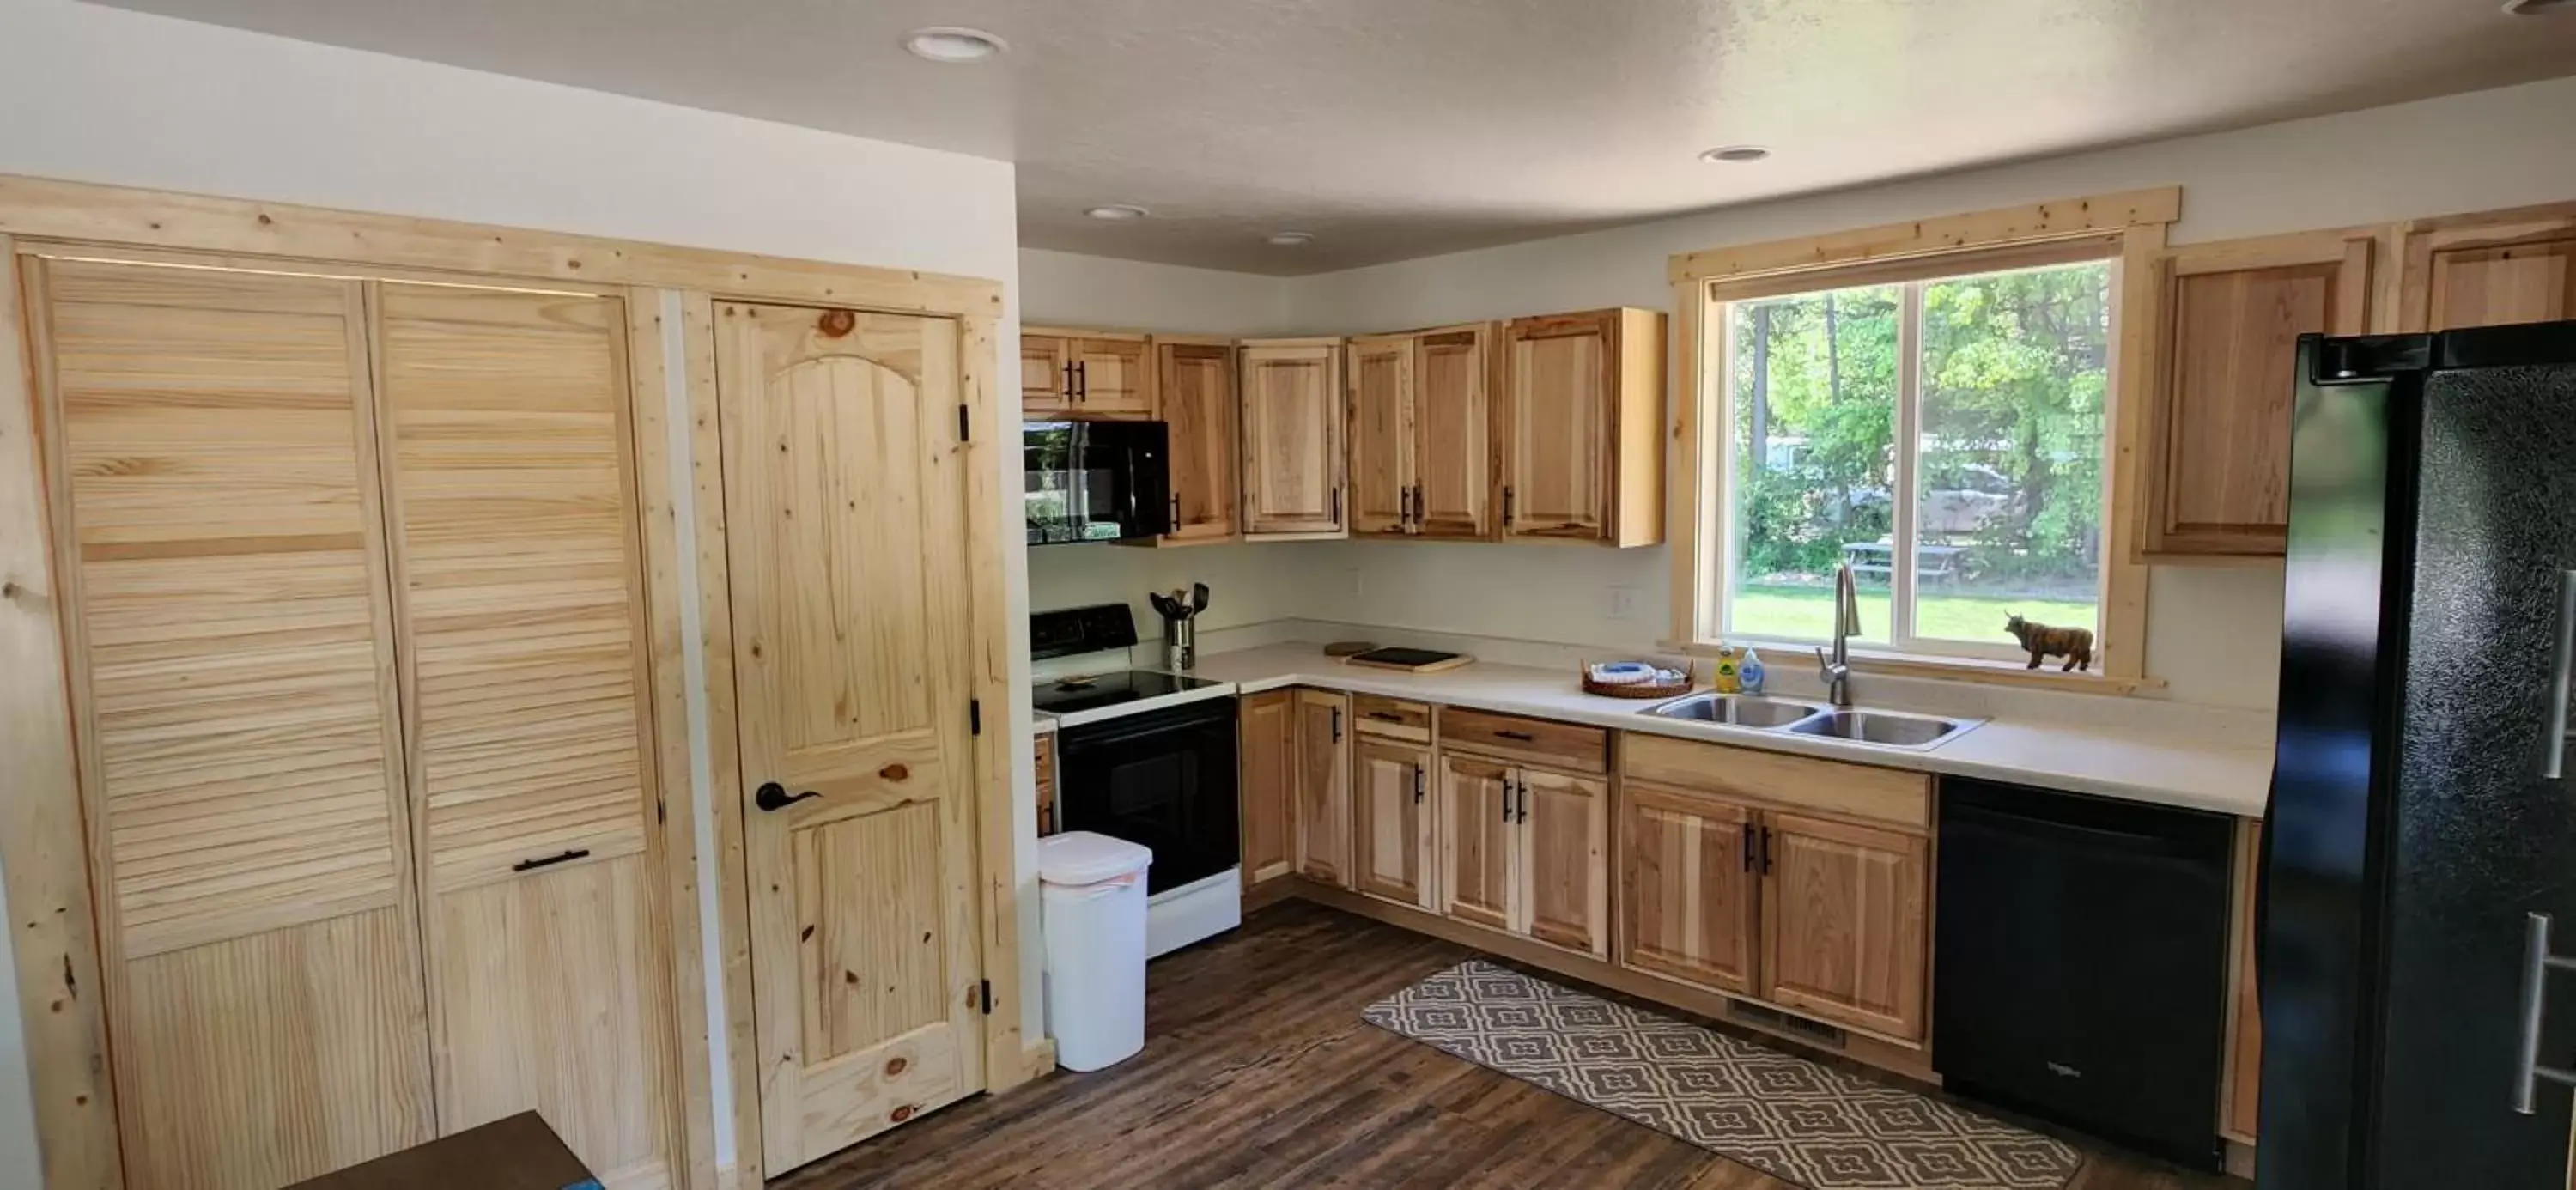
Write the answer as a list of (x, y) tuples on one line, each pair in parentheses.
[(2127, 227)]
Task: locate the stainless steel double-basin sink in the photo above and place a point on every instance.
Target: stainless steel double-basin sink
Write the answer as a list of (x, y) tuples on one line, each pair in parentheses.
[(1887, 729)]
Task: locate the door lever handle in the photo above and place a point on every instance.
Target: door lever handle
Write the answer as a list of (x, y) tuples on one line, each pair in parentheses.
[(2562, 675), (773, 796)]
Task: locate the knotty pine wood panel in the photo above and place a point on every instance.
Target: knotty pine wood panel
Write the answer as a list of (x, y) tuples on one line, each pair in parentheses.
[(1453, 434), (1688, 904), (1391, 845), (1480, 854), (1846, 922), (851, 685), (1565, 866), (1382, 435), (1266, 752), (2494, 286)]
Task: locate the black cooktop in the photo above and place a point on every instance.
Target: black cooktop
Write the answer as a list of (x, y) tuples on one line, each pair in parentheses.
[(1110, 689)]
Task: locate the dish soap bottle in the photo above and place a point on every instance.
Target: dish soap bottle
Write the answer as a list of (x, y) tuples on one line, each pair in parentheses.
[(1727, 677), (1750, 671)]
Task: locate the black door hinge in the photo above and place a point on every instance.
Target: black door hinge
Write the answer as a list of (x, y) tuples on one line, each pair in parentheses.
[(988, 997), (965, 427), (974, 716)]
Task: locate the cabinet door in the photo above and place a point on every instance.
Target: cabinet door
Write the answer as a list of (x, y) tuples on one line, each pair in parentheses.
[(1196, 394), (1046, 375), (1565, 866), (1453, 438), (1382, 434), (1113, 378), (1556, 474), (1043, 754), (1324, 786), (1292, 439), (515, 560), (1687, 904), (1391, 846), (2533, 281), (1844, 919), (1479, 842), (2245, 1040), (2227, 362), (1266, 762)]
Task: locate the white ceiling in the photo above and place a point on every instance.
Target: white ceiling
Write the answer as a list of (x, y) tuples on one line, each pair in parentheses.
[(1402, 128)]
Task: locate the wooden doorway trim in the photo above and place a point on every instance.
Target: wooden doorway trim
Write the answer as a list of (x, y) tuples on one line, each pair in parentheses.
[(42, 848)]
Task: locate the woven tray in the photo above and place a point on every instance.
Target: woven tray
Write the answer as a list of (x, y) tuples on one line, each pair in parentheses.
[(1640, 690)]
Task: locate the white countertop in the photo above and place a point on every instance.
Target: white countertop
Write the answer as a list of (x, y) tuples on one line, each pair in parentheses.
[(2109, 762)]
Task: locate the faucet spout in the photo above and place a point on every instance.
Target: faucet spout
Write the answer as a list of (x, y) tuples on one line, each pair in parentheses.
[(1835, 668)]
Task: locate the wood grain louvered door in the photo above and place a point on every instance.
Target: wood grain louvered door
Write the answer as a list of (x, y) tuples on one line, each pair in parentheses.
[(1381, 436), (845, 510), (233, 675), (1453, 434), (510, 492)]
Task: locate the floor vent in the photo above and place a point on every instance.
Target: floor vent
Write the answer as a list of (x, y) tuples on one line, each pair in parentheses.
[(1821, 1034)]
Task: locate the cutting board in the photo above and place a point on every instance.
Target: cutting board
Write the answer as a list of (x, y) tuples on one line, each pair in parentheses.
[(1419, 661)]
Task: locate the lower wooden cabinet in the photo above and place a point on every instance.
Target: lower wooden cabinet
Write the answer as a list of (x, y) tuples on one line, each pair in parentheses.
[(1845, 922), (1391, 853), (1687, 887), (1266, 782), (2238, 1118), (1526, 850), (1045, 757), (1324, 786)]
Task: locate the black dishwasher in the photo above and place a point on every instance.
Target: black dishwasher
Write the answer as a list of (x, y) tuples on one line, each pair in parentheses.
[(2080, 969)]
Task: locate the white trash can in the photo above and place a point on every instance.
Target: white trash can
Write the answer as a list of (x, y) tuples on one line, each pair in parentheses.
[(1092, 888)]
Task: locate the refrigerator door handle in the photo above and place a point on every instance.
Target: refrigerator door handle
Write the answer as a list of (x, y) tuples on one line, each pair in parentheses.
[(2553, 746), (2537, 963)]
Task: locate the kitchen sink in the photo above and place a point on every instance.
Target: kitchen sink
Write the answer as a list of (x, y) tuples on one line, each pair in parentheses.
[(1742, 710), (1880, 727)]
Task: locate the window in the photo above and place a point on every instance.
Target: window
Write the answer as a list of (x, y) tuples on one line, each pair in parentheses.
[(1944, 435)]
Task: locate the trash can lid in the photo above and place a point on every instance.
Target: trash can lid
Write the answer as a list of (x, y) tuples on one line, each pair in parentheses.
[(1081, 857)]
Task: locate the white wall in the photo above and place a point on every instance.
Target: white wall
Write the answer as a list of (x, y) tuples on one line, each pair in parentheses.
[(2213, 634), (101, 95), (1067, 289)]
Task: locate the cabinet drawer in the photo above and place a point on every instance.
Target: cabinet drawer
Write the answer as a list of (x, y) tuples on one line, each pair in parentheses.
[(1537, 741), (1392, 718), (1856, 791)]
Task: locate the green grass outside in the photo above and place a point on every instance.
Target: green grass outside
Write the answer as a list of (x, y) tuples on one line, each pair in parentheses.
[(1808, 612)]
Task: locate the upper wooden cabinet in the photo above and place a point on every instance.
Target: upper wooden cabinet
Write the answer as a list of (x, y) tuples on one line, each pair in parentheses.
[(1093, 374), (1194, 385), (1583, 401), (1292, 438), (1422, 460), (2491, 269), (2229, 316)]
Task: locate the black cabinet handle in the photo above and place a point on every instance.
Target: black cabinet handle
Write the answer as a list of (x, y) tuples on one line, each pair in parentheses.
[(1523, 815), (530, 865), (773, 796), (1337, 725), (1337, 504), (1507, 507), (1522, 736), (1766, 851), (1748, 847), (1082, 380), (1068, 380), (1417, 787)]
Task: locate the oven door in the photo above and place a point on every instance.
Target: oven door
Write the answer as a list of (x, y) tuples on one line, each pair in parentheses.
[(1164, 779), (1096, 480)]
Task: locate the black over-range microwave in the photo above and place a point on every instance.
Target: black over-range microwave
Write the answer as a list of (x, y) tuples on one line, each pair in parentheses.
[(1097, 480)]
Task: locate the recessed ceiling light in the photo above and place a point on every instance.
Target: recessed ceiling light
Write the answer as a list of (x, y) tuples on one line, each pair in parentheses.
[(950, 43), (1735, 153), (2533, 8), (1291, 239), (1118, 212)]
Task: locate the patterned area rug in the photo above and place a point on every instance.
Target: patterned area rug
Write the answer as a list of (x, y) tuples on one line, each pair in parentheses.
[(1788, 1117)]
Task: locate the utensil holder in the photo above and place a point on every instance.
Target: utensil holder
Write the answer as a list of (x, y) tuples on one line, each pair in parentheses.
[(1180, 645)]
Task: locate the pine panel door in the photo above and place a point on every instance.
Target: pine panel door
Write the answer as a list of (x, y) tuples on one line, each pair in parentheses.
[(1324, 787), (1292, 439), (1556, 474), (845, 510), (510, 490), (1198, 403), (1382, 434), (1453, 434), (233, 676), (1479, 843), (1266, 751), (1845, 918), (1391, 844), (1687, 895), (1565, 865)]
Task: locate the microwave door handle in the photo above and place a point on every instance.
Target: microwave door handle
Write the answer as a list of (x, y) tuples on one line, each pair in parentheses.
[(2553, 743)]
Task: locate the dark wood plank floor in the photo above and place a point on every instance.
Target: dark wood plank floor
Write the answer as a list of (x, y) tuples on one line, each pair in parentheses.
[(1259, 1072)]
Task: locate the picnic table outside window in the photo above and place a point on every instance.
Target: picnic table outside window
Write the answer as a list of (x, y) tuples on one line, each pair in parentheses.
[(1932, 563)]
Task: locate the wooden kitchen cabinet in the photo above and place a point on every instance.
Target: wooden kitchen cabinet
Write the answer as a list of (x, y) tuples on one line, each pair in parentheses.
[(1381, 464), (1107, 375), (1324, 787), (1292, 454), (1044, 755), (2490, 269), (1583, 452), (1194, 389), (1046, 374), (1687, 895), (1845, 922), (1422, 462), (1391, 844), (1266, 782), (1479, 849), (2243, 1092), (1564, 826), (1524, 848), (2229, 316)]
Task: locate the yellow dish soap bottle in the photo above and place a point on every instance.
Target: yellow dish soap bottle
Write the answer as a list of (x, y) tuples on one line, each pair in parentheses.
[(1727, 678)]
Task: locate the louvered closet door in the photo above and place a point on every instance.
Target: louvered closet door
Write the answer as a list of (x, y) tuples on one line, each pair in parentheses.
[(523, 660), (845, 518), (233, 678)]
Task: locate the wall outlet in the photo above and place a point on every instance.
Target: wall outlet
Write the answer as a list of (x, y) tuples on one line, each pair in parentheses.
[(1623, 603)]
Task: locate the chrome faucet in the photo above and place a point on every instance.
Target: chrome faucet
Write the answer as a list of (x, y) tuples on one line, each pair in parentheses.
[(1836, 668)]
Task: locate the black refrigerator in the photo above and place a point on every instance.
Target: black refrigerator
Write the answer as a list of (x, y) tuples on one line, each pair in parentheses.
[(2421, 842)]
